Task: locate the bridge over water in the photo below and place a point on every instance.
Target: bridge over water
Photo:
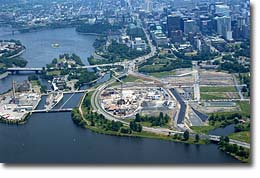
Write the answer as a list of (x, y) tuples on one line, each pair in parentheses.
[(40, 69), (53, 110)]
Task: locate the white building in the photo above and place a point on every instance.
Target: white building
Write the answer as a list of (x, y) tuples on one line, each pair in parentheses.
[(139, 44), (224, 27)]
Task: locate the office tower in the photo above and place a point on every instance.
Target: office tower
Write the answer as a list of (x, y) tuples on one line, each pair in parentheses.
[(190, 26), (224, 27), (173, 23)]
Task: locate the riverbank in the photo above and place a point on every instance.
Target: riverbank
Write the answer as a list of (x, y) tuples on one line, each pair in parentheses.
[(4, 75), (142, 134), (21, 121), (145, 134), (91, 34), (82, 113), (80, 118), (18, 54)]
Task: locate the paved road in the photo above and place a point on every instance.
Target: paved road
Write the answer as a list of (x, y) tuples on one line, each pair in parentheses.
[(238, 88)]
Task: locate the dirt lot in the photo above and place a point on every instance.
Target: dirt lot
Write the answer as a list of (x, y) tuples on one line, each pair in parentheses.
[(215, 78)]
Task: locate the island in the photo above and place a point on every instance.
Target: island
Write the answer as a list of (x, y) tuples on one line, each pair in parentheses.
[(10, 51)]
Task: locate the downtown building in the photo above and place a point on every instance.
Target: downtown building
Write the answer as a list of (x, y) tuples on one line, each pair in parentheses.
[(223, 27)]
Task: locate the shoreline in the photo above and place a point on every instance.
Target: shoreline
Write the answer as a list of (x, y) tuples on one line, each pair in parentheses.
[(143, 134), (151, 135), (21, 121), (18, 54), (90, 34), (4, 75)]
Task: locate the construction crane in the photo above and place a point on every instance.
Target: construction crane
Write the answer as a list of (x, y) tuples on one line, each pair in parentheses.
[(121, 87), (121, 94)]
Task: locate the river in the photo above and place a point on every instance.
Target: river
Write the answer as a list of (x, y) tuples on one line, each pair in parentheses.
[(54, 138), (39, 50)]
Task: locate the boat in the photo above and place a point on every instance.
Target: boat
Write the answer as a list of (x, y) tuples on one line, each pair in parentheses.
[(55, 45)]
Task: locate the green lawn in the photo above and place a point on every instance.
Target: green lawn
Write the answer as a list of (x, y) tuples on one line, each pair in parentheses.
[(152, 67), (162, 74), (241, 136), (130, 79), (211, 96), (245, 108), (202, 129), (35, 83), (217, 89), (54, 72), (2, 65), (125, 80)]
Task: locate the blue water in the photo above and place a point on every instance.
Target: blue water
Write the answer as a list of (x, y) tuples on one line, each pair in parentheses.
[(39, 50), (225, 131)]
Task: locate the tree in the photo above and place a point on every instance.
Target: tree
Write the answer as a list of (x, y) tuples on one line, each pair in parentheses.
[(197, 138), (139, 128), (244, 89), (32, 77), (186, 135), (226, 139), (125, 130), (135, 126), (161, 115), (137, 118)]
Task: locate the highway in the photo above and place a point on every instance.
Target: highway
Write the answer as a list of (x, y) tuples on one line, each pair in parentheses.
[(181, 114)]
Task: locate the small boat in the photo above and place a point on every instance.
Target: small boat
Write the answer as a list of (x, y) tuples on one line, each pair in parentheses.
[(55, 45)]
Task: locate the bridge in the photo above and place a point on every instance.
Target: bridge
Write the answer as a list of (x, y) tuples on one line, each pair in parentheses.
[(51, 111), (231, 141), (27, 69), (102, 65), (14, 70)]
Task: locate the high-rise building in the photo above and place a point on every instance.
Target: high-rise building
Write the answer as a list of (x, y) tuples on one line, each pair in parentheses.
[(176, 36), (222, 9), (173, 23), (189, 4), (206, 25), (190, 26), (148, 5), (224, 27)]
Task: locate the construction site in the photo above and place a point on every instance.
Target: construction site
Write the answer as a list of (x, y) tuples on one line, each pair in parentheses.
[(15, 104), (125, 101)]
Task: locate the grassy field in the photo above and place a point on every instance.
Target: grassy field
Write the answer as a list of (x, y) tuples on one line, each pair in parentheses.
[(241, 136), (162, 74), (2, 65), (202, 129), (54, 72), (152, 67), (211, 96), (245, 108), (217, 89), (34, 83), (130, 79), (127, 79)]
